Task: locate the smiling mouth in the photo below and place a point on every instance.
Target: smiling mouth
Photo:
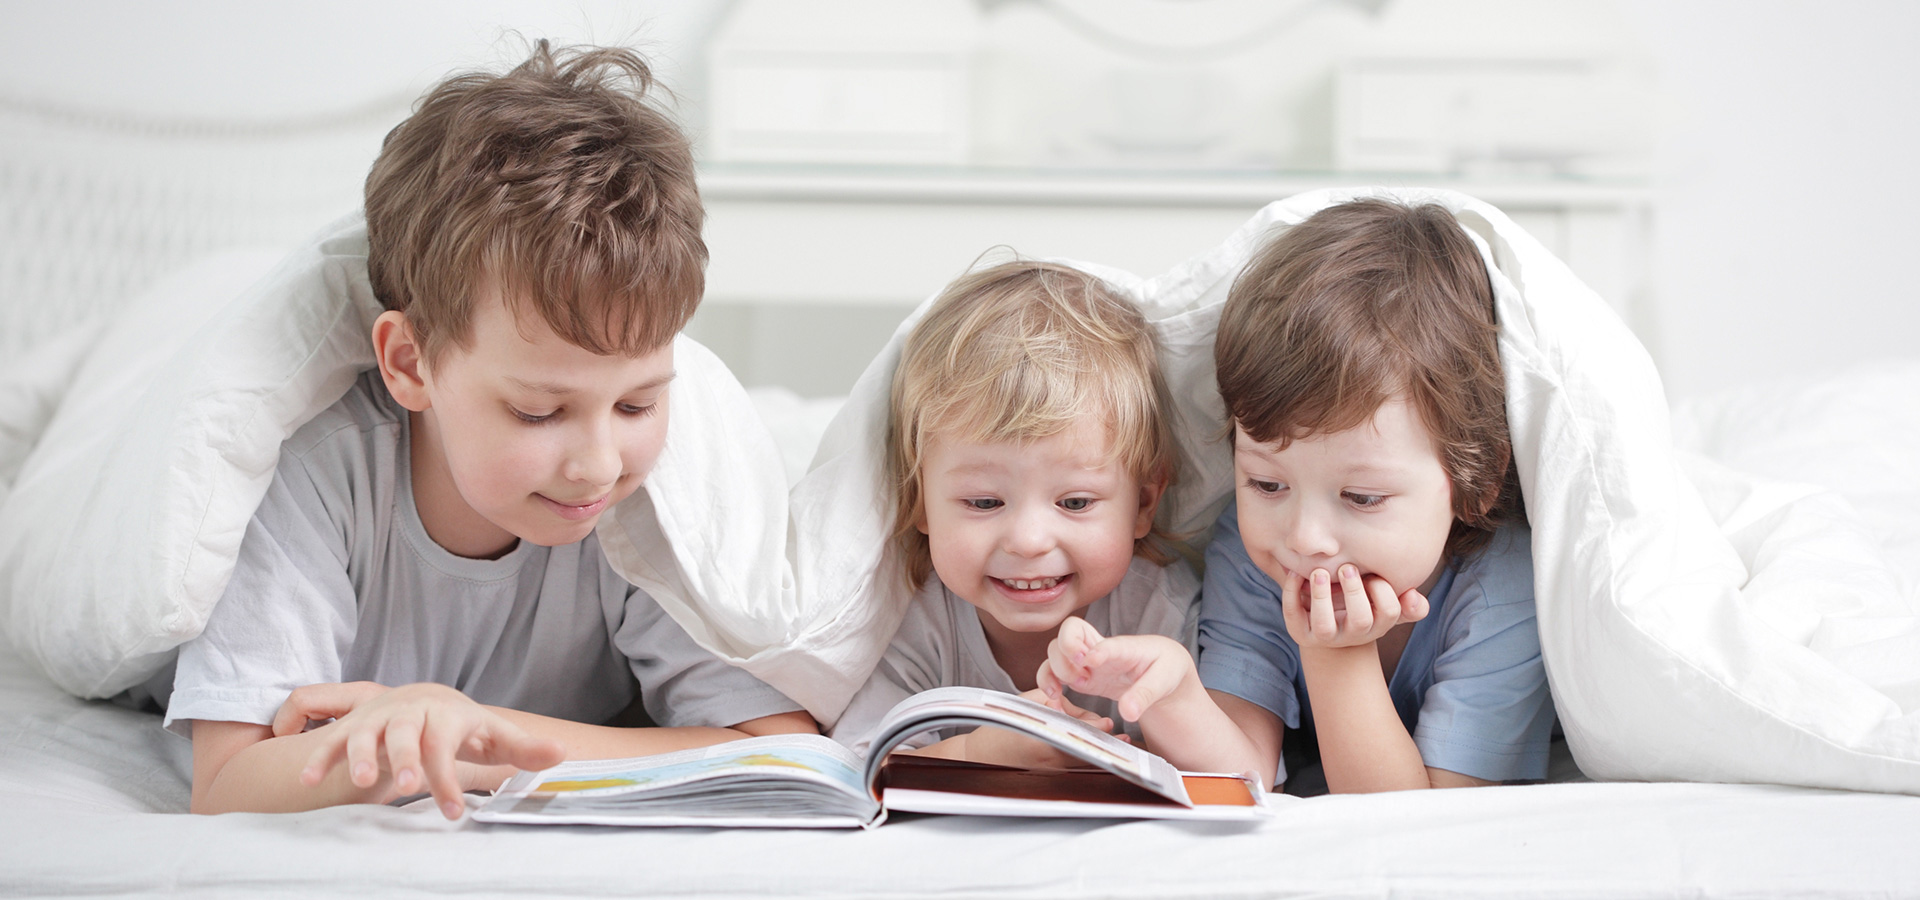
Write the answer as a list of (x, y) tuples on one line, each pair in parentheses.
[(577, 510), (1031, 584)]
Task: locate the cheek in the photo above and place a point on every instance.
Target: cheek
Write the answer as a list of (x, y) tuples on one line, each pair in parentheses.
[(645, 439), (957, 550)]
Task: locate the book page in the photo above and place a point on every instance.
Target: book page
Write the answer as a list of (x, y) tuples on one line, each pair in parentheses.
[(962, 706), (744, 782)]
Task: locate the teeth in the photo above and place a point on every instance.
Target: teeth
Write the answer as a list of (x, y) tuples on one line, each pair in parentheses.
[(1038, 584)]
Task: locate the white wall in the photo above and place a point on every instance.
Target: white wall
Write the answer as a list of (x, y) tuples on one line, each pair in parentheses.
[(1788, 186), (1786, 175)]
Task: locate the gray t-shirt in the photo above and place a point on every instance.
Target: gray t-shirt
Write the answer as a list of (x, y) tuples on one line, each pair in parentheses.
[(337, 580), (942, 644)]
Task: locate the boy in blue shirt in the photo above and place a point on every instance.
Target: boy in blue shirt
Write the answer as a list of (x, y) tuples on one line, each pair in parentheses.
[(1375, 558), (535, 237)]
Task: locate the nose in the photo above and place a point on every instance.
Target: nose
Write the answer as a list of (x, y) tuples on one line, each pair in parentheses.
[(1028, 533), (594, 457), (1308, 532)]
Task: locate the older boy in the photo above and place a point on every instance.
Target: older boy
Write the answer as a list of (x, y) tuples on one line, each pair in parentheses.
[(535, 237)]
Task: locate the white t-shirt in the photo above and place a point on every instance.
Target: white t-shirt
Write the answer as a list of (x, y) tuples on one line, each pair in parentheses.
[(337, 580), (942, 644)]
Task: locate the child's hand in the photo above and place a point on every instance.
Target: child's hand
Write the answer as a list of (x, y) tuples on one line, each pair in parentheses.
[(423, 729), (321, 702), (1137, 670), (1314, 620)]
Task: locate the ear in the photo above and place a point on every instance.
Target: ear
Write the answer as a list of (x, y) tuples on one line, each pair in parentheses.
[(402, 362), (1150, 492)]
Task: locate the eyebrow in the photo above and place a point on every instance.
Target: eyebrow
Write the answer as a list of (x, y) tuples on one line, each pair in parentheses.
[(1362, 467), (547, 387)]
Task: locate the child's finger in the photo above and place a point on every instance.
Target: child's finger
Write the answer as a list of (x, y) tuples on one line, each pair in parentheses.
[(1413, 605), (1077, 637), (1293, 606), (521, 750), (1049, 683), (291, 717), (1320, 605), (1150, 688), (332, 748), (1385, 604), (439, 740), (403, 754), (1360, 611), (363, 761)]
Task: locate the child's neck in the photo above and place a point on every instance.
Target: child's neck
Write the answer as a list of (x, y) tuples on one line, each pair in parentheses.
[(1019, 653), (448, 520)]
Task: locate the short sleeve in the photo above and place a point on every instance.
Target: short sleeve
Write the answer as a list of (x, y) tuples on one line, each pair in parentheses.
[(681, 683), (1244, 648), (914, 662), (1488, 713), (288, 616)]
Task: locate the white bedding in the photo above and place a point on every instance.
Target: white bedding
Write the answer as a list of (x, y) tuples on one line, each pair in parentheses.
[(92, 796), (92, 801)]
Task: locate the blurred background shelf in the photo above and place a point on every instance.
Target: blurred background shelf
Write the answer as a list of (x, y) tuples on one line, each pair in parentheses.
[(806, 257)]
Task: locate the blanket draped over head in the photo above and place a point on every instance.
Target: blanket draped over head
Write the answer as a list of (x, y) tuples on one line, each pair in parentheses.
[(1697, 622)]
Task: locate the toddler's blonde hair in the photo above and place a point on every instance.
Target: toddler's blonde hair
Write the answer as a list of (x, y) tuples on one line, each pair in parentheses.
[(1019, 352)]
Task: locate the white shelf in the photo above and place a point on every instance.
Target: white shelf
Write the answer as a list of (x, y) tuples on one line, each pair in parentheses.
[(1089, 188), (812, 267)]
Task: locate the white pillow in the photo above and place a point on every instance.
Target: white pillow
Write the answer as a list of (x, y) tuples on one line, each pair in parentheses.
[(1697, 623), (123, 525)]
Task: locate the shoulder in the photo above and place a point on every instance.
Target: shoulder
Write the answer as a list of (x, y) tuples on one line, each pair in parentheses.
[(929, 625), (365, 413), (1502, 572), (1151, 599)]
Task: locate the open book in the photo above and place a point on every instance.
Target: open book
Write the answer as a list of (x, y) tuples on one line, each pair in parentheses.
[(806, 780)]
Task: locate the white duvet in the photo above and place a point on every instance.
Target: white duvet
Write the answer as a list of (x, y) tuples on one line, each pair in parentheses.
[(1698, 622)]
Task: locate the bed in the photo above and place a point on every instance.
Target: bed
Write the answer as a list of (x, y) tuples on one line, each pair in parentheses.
[(93, 795)]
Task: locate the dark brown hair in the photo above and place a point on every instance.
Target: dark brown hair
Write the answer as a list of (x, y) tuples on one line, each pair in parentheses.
[(560, 185), (1361, 303)]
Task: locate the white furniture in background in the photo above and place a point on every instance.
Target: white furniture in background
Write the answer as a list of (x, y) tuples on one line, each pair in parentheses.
[(813, 267)]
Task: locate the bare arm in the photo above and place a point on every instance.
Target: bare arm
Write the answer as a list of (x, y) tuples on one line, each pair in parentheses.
[(1363, 744), (242, 767), (430, 735), (585, 741), (1153, 680)]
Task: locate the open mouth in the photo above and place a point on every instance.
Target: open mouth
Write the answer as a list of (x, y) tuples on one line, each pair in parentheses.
[(1034, 590)]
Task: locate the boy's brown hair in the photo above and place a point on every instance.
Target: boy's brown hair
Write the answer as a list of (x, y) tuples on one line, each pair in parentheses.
[(1018, 352), (1361, 303), (558, 184)]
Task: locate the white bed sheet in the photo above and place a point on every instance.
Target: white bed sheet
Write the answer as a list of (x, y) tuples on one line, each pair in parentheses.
[(93, 796), (93, 800)]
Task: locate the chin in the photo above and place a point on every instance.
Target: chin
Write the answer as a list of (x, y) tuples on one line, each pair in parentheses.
[(570, 533)]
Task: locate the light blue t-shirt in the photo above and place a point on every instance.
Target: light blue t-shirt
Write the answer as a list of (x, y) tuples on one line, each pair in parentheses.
[(1470, 684)]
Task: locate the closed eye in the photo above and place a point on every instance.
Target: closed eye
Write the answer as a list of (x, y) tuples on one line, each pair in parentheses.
[(533, 418), (1364, 501), (635, 409)]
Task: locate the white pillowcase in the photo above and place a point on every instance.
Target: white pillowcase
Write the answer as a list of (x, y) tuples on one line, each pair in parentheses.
[(123, 526)]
